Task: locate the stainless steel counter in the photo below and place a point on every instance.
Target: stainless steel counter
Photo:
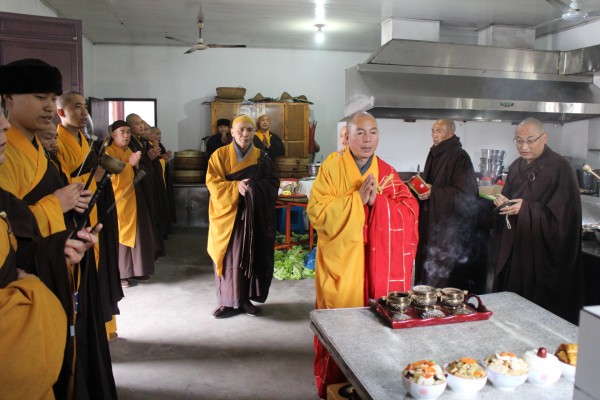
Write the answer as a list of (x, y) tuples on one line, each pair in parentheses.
[(372, 355)]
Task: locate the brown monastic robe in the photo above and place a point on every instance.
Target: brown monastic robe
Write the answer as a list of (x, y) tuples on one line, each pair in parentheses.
[(539, 257), (446, 219)]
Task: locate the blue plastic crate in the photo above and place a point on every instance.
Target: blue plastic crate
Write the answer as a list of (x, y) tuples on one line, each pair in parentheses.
[(296, 220)]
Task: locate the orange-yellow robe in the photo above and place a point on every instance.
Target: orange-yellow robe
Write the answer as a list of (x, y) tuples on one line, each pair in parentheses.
[(122, 184), (71, 155), (21, 171), (32, 332), (224, 198), (343, 223)]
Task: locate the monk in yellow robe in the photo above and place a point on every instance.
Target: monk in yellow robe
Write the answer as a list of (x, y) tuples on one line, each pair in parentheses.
[(32, 319), (29, 91), (367, 220), (78, 159), (136, 247), (243, 186)]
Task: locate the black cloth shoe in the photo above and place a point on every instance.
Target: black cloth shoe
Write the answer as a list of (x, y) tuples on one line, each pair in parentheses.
[(250, 309), (223, 312)]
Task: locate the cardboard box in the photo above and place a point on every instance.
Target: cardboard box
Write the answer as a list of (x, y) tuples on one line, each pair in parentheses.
[(333, 392), (587, 384)]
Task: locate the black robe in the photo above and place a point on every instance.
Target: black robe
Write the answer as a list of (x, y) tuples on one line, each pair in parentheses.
[(215, 142), (251, 247), (539, 258), (169, 187), (276, 148), (148, 191), (446, 220)]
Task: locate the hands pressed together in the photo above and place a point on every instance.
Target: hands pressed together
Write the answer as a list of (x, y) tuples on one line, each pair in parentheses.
[(134, 158), (368, 190), (153, 152)]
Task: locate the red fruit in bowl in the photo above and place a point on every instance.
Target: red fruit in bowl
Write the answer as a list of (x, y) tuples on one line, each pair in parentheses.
[(542, 352)]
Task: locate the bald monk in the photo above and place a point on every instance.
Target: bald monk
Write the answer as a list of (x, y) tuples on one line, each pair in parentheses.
[(243, 186), (367, 221)]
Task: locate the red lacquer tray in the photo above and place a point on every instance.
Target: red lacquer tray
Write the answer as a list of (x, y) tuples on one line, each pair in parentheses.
[(479, 313)]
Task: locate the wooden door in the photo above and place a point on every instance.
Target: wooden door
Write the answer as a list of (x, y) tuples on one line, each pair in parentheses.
[(56, 41)]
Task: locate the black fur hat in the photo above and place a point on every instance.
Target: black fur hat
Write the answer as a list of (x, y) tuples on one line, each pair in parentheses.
[(30, 75)]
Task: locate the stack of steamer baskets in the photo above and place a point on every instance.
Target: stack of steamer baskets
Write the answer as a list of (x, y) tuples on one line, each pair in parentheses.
[(291, 167), (491, 164), (190, 167)]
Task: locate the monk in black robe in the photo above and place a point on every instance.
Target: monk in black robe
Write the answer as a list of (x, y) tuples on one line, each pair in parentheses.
[(243, 186), (447, 212), (538, 244), (147, 187)]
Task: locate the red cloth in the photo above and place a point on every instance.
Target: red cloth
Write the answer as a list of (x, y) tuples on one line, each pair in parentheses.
[(391, 237)]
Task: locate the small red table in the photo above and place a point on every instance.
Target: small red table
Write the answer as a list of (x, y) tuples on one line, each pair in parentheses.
[(288, 202)]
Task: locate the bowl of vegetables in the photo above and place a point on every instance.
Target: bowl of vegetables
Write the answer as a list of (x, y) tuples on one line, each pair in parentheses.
[(465, 376), (424, 379)]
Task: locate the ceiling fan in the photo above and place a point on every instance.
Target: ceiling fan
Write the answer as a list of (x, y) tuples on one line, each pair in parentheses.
[(199, 44), (571, 15)]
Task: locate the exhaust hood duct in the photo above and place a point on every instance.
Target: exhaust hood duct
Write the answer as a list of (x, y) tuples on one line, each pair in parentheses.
[(409, 79)]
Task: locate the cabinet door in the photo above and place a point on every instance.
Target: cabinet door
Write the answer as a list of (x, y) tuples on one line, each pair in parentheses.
[(296, 130)]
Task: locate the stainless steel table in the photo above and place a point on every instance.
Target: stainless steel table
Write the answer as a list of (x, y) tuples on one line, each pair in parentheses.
[(372, 355)]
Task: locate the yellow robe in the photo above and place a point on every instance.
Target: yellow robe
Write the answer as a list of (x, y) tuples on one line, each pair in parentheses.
[(32, 335), (122, 185), (22, 170), (71, 155), (224, 197), (336, 211)]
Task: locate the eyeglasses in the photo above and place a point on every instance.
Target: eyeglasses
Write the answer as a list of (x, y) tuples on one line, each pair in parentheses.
[(520, 142), (5, 112)]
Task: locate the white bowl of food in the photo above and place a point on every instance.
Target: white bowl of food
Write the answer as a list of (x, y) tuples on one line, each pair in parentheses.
[(465, 376), (544, 368), (424, 379), (567, 355), (506, 371)]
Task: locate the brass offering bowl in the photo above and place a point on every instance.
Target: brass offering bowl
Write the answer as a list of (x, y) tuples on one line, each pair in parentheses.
[(398, 301), (452, 297), (423, 296)]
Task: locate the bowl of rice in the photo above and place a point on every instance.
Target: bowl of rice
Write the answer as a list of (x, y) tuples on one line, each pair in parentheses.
[(506, 371), (424, 379), (465, 376)]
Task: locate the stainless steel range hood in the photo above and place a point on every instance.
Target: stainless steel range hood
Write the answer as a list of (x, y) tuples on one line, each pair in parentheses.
[(428, 80)]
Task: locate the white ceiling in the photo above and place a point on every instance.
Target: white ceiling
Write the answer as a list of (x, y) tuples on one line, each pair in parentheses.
[(350, 25)]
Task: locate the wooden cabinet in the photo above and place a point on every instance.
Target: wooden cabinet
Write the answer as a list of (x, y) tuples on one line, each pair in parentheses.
[(56, 41), (289, 121)]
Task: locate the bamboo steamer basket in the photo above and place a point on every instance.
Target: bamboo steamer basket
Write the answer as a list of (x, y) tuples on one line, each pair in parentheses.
[(291, 167), (189, 176), (190, 160)]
